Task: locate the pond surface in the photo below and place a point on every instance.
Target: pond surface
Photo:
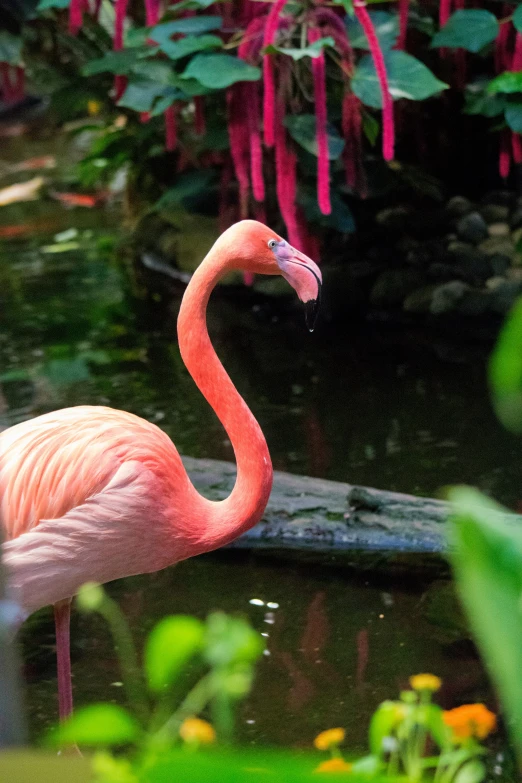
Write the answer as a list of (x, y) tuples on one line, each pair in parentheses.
[(370, 406)]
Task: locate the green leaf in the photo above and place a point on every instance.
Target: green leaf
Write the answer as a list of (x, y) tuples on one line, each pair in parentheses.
[(370, 127), (340, 218), (170, 646), (193, 4), (513, 116), (468, 29), (479, 101), (190, 44), (509, 81), (471, 772), (190, 26), (486, 553), (25, 766), (217, 71), (120, 62), (384, 720), (44, 5), (386, 26), (10, 48), (141, 95), (188, 184), (157, 71), (312, 50), (302, 128), (517, 18), (407, 78), (97, 724), (505, 371), (231, 640)]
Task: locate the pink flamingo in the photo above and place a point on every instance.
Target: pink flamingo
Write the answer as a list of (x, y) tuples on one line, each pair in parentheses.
[(96, 494)]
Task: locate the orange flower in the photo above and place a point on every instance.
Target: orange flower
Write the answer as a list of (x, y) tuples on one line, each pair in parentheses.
[(195, 730), (470, 720), (329, 739), (333, 765), (425, 682)]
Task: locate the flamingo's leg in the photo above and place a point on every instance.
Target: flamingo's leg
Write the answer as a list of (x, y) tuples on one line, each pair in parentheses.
[(62, 617)]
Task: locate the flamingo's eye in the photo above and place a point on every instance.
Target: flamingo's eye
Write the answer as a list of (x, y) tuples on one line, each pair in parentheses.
[(272, 243)]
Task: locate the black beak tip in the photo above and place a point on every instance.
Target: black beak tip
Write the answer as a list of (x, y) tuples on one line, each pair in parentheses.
[(311, 311)]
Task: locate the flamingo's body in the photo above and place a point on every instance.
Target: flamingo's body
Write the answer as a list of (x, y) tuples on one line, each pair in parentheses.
[(95, 494)]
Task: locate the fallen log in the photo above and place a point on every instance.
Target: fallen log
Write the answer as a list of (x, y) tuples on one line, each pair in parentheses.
[(324, 516)]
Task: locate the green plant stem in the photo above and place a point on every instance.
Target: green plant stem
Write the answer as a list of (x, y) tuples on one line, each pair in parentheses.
[(127, 656), (194, 702)]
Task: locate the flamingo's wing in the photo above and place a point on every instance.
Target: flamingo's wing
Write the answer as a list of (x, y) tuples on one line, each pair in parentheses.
[(56, 462), (123, 530)]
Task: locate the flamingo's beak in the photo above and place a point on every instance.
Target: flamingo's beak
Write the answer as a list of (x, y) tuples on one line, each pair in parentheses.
[(303, 275)]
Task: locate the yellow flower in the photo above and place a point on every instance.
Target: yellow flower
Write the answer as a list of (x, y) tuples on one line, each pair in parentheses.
[(329, 739), (93, 107), (333, 765), (425, 682), (196, 730), (470, 720)]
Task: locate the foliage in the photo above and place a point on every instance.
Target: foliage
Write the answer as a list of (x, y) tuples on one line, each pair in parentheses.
[(164, 735), (486, 544)]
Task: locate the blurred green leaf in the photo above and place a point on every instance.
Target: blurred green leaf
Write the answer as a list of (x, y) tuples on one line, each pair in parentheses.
[(189, 26), (472, 772), (386, 26), (170, 645), (44, 5), (384, 720), (513, 116), (312, 50), (218, 71), (231, 640), (97, 724), (340, 218), (10, 48), (407, 78), (120, 62), (189, 183), (479, 101), (517, 19), (371, 127), (62, 372), (141, 94), (505, 371), (471, 29), (175, 50), (486, 553), (509, 81), (302, 128)]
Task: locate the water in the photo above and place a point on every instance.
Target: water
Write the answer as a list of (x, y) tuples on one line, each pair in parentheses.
[(369, 406)]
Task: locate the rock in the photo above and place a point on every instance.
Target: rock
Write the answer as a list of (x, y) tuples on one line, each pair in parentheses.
[(475, 302), (514, 273), (393, 286), (499, 263), (494, 282), (499, 230), (394, 218), (441, 272), (501, 245), (504, 294), (458, 206), (470, 263), (495, 213), (472, 228), (516, 218), (447, 297), (419, 301)]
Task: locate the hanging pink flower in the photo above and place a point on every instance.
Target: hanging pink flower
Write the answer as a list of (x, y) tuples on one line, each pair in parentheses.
[(504, 161), (238, 142), (404, 6), (323, 166), (352, 132), (75, 16), (171, 134), (199, 116), (151, 12), (272, 24), (388, 130)]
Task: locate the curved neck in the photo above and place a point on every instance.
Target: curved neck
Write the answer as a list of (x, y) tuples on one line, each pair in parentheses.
[(217, 523)]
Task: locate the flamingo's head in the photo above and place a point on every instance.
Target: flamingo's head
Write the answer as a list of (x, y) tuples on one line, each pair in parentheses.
[(259, 249)]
